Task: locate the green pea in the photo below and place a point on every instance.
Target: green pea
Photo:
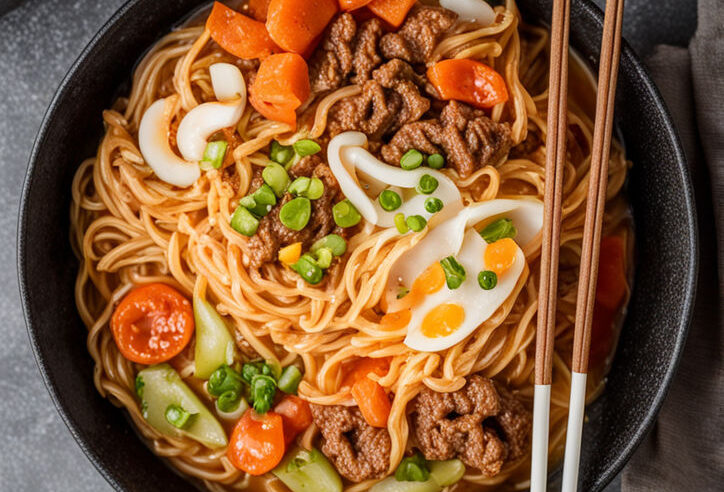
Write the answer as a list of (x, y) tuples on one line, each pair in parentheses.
[(299, 186), (416, 222), (433, 205), (295, 213), (308, 269), (244, 222), (498, 229), (324, 257), (454, 272), (487, 279), (306, 147), (436, 161), (345, 214), (281, 153), (427, 184), (315, 190), (334, 242), (411, 160), (400, 223), (390, 200), (276, 177)]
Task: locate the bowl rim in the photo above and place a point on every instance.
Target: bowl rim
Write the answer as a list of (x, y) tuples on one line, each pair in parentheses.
[(627, 53)]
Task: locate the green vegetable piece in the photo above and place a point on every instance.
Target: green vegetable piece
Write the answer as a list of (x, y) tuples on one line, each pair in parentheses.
[(324, 257), (263, 390), (249, 370), (499, 229), (345, 214), (228, 401), (139, 386), (178, 417), (401, 224), (276, 177), (163, 387), (446, 473), (308, 471), (433, 205), (281, 153), (390, 200), (290, 379), (334, 242), (436, 161), (402, 292), (299, 186), (487, 279), (308, 269), (315, 190), (416, 222), (213, 155), (427, 184), (295, 213), (306, 147), (236, 411), (454, 272), (214, 343), (224, 379), (412, 469), (272, 368), (244, 221), (412, 159), (391, 484)]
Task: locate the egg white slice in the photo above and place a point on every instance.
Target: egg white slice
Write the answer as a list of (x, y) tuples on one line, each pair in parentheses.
[(477, 303), (357, 170)]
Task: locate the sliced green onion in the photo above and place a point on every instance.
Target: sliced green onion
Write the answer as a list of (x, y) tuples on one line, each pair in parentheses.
[(299, 186), (436, 161), (454, 272), (213, 155), (260, 202), (345, 214), (228, 401), (433, 205), (400, 223), (402, 292), (416, 222), (244, 222), (281, 153), (427, 184), (315, 190), (290, 379), (249, 370), (177, 416), (224, 379), (295, 213), (139, 386), (324, 257), (499, 229), (412, 469), (412, 159), (390, 200), (236, 411), (276, 177), (306, 147), (308, 269), (334, 242), (487, 279), (263, 390)]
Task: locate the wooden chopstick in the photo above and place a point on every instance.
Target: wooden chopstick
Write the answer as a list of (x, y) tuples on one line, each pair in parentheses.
[(588, 276), (552, 201)]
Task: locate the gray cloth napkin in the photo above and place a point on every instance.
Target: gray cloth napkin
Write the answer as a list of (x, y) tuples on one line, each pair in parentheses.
[(685, 450)]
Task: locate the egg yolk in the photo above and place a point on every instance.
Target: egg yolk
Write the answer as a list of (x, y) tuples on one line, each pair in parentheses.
[(396, 320), (430, 281), (500, 255), (443, 320)]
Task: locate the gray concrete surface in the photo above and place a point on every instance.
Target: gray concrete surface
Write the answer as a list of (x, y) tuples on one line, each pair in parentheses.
[(38, 42)]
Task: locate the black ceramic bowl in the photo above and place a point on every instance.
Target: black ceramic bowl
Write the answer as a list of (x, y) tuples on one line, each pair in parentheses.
[(651, 341)]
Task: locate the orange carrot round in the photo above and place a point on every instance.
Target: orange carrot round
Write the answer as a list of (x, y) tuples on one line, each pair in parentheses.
[(392, 11), (373, 402), (468, 81), (238, 34), (280, 87), (352, 4), (295, 24), (257, 442), (364, 366), (152, 324), (296, 416), (258, 9)]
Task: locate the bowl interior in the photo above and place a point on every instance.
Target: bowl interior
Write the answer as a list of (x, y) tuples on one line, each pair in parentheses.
[(652, 336)]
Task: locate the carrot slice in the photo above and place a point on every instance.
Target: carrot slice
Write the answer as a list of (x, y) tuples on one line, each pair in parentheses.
[(257, 442), (152, 324), (258, 9), (373, 402), (352, 4), (296, 416), (295, 24), (238, 34), (392, 11), (469, 81), (364, 366), (280, 87)]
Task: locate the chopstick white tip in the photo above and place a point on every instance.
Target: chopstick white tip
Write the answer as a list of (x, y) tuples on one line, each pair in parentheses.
[(539, 456), (576, 410)]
